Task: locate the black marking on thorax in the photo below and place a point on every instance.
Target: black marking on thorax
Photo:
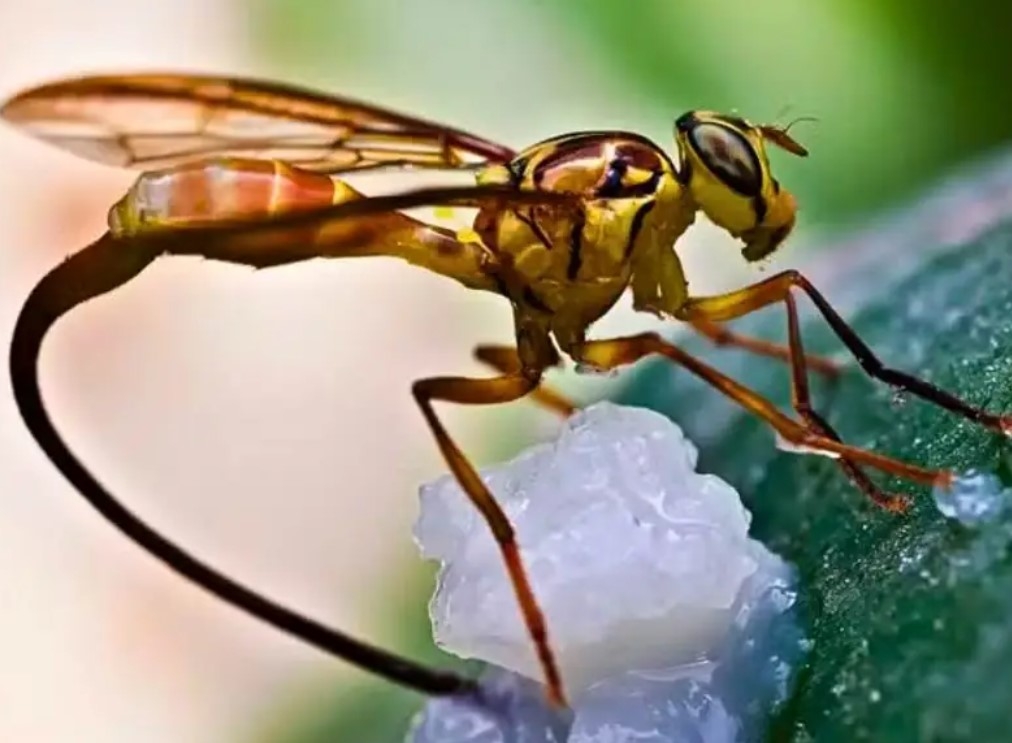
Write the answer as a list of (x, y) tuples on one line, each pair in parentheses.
[(566, 149), (630, 148), (576, 247), (500, 285), (612, 185), (536, 228), (535, 301), (637, 225)]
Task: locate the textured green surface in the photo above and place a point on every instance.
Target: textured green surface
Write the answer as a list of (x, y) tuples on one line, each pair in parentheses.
[(912, 616), (899, 100)]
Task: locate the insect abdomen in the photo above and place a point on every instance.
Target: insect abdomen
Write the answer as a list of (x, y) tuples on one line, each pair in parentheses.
[(222, 188)]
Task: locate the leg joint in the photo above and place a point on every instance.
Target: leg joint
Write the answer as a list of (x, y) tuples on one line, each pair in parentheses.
[(418, 389), (532, 374)]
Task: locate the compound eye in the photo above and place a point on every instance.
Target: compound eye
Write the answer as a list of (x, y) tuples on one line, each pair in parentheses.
[(729, 156)]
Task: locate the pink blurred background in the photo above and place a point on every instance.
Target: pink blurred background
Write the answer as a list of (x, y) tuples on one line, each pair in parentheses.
[(263, 420)]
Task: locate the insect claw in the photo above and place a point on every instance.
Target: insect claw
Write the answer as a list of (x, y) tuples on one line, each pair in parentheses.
[(944, 479), (898, 504)]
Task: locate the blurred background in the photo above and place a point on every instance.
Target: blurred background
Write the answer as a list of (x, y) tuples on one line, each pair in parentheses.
[(265, 419)]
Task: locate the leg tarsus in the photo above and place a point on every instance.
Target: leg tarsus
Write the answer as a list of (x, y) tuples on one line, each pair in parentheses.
[(611, 353), (735, 304), (802, 403), (892, 502)]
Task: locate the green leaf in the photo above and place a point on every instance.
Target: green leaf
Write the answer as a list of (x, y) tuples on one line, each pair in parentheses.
[(912, 616)]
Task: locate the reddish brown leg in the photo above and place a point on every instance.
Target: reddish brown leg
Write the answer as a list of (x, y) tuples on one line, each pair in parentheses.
[(801, 401), (608, 354), (721, 336), (506, 360), (490, 392), (774, 289)]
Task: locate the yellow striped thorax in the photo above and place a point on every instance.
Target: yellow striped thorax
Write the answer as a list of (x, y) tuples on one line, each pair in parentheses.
[(623, 179)]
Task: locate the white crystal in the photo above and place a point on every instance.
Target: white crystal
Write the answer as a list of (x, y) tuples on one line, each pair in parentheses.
[(669, 621), (973, 498), (726, 699), (635, 558)]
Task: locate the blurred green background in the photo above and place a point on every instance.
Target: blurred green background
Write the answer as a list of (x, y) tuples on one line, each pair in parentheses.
[(903, 91)]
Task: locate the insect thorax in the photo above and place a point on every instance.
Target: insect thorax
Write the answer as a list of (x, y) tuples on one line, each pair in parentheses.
[(579, 261)]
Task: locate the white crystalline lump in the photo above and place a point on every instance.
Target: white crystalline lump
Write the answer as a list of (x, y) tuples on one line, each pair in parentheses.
[(636, 559), (672, 625), (974, 498)]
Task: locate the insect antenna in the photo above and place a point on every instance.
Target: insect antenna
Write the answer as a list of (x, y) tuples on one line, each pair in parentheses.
[(798, 120)]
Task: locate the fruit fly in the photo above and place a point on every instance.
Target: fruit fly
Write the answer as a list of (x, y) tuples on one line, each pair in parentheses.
[(245, 171)]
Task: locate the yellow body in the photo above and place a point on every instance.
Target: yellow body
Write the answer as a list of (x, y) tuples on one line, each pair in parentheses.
[(561, 267), (625, 235), (538, 244)]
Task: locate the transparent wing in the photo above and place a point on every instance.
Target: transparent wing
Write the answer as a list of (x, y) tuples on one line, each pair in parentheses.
[(148, 121)]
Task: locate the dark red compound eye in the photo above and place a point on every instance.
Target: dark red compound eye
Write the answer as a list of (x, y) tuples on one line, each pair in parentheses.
[(728, 155)]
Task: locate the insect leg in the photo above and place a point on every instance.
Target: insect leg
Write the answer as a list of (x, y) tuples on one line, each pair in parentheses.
[(506, 360), (608, 354), (491, 391), (802, 404), (659, 286), (736, 304), (721, 336)]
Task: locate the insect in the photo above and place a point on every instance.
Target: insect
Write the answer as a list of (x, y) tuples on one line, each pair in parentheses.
[(245, 171)]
